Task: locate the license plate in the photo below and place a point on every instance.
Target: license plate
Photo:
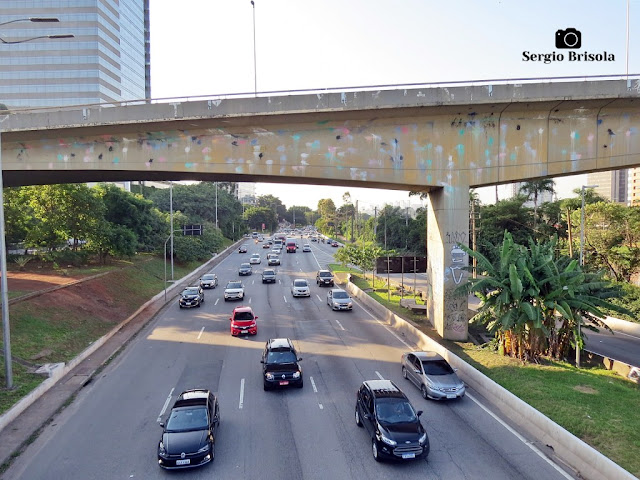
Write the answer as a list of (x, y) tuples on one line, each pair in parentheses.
[(186, 461), (451, 395), (244, 332), (284, 383), (408, 455)]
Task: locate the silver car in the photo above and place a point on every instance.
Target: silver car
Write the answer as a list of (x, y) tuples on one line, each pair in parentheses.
[(300, 288), (338, 299), (432, 375)]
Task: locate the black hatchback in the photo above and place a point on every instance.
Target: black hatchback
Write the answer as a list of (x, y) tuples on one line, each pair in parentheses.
[(391, 422), (280, 364), (189, 436)]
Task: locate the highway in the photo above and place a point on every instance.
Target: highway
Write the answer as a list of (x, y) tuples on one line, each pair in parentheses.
[(111, 430)]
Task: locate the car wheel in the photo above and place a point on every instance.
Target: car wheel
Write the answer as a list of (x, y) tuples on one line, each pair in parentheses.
[(358, 421), (423, 390), (404, 373), (213, 451), (266, 386), (374, 450), (199, 304), (301, 384)]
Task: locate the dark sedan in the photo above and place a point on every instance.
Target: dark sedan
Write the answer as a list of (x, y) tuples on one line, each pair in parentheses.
[(189, 436), (191, 297), (245, 269)]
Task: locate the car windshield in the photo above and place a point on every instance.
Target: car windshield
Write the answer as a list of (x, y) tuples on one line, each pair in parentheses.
[(243, 316), (245, 265), (325, 274), (208, 277), (340, 295), (190, 291), (438, 367), (394, 410), (187, 418), (281, 357), (255, 255), (300, 283), (269, 272), (234, 285)]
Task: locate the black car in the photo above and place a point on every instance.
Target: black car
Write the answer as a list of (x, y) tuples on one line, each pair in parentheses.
[(324, 277), (209, 280), (191, 297), (269, 276), (243, 249), (391, 422), (280, 364), (189, 436)]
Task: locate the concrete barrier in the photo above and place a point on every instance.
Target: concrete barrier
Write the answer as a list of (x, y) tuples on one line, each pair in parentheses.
[(59, 373), (630, 328), (587, 461)]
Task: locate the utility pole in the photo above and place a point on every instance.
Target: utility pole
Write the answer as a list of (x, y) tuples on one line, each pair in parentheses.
[(473, 237), (375, 224), (352, 215)]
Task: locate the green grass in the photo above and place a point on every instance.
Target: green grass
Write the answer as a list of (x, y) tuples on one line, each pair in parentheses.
[(595, 404), (58, 333)]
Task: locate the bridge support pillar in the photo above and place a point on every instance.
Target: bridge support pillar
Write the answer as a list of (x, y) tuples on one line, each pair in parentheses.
[(447, 228)]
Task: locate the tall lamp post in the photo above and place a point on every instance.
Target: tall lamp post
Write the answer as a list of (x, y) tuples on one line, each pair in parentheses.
[(255, 70), (4, 296), (584, 187)]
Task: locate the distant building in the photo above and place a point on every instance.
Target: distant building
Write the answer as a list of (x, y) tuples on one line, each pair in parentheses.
[(612, 185), (108, 60)]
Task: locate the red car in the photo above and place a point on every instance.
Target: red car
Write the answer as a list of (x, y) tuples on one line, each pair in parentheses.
[(243, 321), (334, 244)]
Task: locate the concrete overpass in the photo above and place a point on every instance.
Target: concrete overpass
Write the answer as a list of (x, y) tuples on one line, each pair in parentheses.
[(437, 140)]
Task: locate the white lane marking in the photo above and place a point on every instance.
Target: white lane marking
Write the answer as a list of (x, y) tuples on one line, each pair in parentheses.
[(249, 299), (217, 300), (318, 297), (379, 376), (285, 298), (200, 334), (520, 437), (253, 282), (241, 394), (166, 404), (339, 324), (315, 390)]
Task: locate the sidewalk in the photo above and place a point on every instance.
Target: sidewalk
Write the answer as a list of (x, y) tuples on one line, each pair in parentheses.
[(20, 431)]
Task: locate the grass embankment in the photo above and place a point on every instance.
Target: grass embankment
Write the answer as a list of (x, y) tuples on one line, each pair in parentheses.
[(595, 404), (57, 326)]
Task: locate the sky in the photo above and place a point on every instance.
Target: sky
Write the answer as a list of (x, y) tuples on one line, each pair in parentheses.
[(206, 47)]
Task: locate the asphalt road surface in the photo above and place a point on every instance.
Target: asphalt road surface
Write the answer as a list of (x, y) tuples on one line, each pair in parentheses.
[(111, 430)]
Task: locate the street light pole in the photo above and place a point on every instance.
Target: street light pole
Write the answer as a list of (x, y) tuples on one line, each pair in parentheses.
[(579, 335), (4, 288), (255, 70)]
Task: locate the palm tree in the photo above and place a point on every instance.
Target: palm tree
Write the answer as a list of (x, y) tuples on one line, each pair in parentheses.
[(535, 188)]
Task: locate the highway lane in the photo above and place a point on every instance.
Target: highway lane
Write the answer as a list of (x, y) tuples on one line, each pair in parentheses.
[(111, 430), (618, 345)]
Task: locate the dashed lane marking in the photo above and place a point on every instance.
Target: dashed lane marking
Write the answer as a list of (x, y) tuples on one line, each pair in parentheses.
[(166, 404)]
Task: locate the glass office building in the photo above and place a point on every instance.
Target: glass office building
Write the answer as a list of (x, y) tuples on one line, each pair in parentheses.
[(106, 61)]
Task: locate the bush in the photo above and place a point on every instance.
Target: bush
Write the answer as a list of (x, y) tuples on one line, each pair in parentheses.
[(76, 258), (630, 300)]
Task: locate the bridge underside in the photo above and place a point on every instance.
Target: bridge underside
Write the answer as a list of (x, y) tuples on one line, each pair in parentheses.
[(442, 141)]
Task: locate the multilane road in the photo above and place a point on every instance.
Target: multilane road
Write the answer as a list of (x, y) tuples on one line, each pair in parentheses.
[(111, 430)]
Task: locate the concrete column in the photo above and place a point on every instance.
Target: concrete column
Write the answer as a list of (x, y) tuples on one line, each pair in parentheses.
[(447, 228)]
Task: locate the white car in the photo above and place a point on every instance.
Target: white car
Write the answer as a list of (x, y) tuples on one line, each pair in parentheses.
[(300, 288), (234, 291), (276, 250), (306, 247), (255, 258)]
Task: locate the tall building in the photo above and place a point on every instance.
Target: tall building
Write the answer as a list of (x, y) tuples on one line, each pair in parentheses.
[(108, 60), (612, 185)]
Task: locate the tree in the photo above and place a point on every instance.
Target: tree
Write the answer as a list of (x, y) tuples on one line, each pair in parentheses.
[(534, 300), (533, 189), (362, 256), (256, 216)]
